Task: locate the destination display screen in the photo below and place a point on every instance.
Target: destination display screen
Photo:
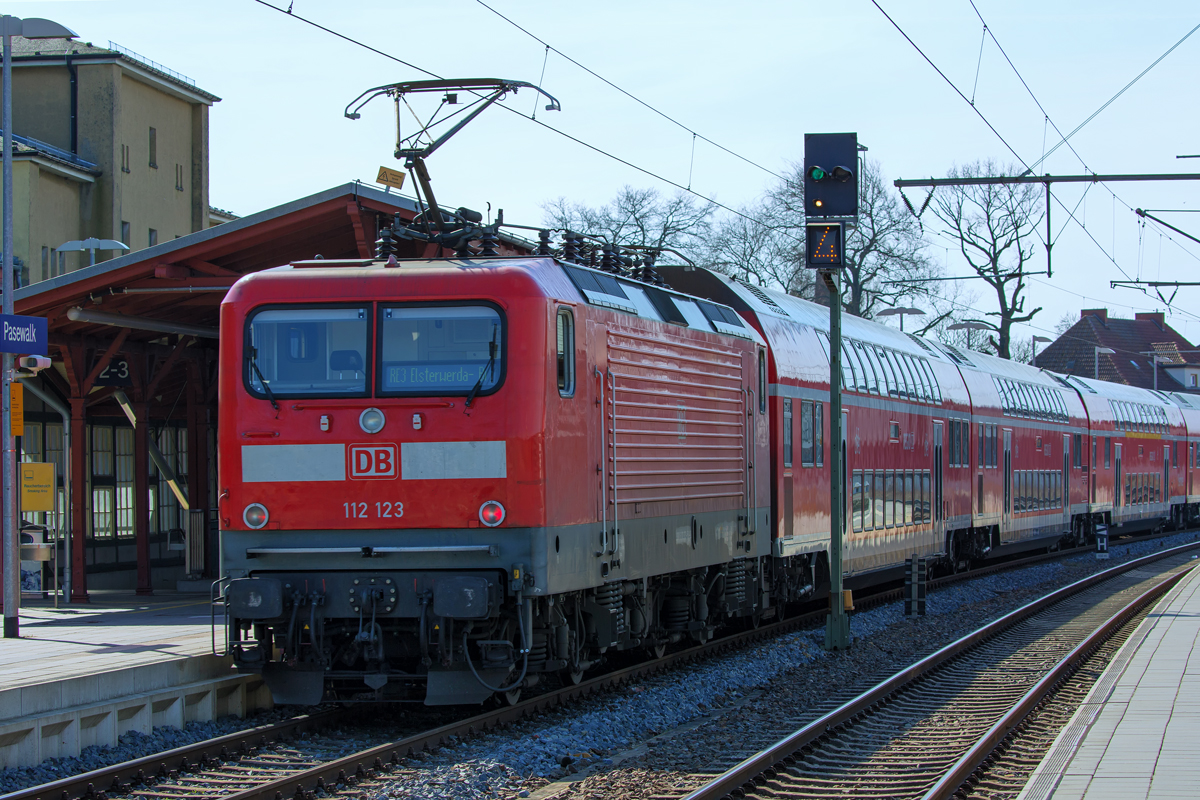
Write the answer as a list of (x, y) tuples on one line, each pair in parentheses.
[(432, 350)]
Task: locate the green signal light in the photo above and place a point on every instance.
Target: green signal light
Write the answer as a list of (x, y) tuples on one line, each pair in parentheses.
[(817, 174)]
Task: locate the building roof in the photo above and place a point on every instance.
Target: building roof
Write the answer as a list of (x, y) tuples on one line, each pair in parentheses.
[(1134, 340), (26, 146), (58, 50)]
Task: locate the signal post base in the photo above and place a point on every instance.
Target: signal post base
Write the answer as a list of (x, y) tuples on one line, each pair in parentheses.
[(837, 631)]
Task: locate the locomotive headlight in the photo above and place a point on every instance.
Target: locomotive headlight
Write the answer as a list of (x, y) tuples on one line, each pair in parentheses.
[(255, 515), (371, 420), (491, 513)]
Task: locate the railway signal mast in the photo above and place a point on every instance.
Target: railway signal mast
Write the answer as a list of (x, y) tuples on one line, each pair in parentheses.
[(830, 210)]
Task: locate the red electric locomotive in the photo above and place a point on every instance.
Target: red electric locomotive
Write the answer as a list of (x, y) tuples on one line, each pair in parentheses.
[(444, 479)]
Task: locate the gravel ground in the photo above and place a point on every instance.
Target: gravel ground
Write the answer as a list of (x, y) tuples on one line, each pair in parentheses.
[(644, 736), (650, 738)]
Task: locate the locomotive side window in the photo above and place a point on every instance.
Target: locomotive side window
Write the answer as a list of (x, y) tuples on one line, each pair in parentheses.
[(441, 350), (307, 352), (762, 381), (565, 352)]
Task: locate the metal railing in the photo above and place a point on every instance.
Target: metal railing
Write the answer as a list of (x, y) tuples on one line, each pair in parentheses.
[(154, 65)]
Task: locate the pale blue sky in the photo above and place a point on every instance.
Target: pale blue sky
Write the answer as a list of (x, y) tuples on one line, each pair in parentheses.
[(752, 76)]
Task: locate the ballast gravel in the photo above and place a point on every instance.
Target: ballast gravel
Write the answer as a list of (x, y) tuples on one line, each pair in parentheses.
[(657, 735)]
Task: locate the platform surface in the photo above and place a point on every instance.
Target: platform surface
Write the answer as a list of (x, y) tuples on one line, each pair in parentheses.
[(1137, 735), (115, 631)]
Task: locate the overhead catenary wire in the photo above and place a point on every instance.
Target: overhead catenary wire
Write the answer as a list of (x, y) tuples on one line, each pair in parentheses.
[(564, 134), (630, 95)]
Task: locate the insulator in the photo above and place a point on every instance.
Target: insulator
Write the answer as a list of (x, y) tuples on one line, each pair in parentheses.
[(543, 248), (608, 259), (489, 243), (592, 252), (463, 250), (649, 271), (570, 247)]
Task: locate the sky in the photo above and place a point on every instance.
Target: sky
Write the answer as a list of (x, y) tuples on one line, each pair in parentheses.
[(752, 77)]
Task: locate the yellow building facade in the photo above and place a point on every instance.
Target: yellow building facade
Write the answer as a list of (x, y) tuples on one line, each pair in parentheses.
[(108, 144)]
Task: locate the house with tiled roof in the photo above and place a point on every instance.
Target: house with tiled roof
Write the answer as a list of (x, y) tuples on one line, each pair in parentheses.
[(1145, 352)]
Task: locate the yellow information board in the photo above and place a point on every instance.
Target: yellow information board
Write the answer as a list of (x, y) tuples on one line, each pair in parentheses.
[(17, 404), (390, 177), (37, 486)]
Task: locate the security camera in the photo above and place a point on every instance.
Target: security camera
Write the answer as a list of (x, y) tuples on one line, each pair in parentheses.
[(31, 365)]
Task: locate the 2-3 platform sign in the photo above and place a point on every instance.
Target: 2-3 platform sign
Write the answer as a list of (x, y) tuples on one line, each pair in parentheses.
[(115, 374)]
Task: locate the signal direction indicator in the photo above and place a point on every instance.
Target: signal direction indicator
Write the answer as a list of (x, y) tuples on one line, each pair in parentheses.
[(823, 244)]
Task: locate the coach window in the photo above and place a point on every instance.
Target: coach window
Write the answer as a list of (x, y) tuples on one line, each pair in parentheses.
[(864, 358), (1077, 447), (819, 433), (1107, 451), (806, 433), (565, 352), (787, 432), (901, 381), (307, 351), (889, 377), (848, 378)]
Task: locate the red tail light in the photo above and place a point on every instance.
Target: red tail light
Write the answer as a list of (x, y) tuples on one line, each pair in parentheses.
[(491, 513)]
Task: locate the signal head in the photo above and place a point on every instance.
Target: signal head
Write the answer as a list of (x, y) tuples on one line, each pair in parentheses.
[(842, 174), (817, 174)]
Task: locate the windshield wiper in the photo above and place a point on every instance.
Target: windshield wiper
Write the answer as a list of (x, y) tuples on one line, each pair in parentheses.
[(261, 379), (486, 370)]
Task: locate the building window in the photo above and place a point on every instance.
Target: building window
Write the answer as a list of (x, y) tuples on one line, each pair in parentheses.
[(125, 157), (565, 352), (123, 448), (787, 432), (125, 233), (179, 177), (153, 148), (153, 237)]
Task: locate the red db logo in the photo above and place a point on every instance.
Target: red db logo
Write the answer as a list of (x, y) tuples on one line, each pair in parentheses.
[(373, 461)]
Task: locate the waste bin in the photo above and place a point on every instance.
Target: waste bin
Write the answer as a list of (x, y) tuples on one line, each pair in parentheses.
[(35, 552)]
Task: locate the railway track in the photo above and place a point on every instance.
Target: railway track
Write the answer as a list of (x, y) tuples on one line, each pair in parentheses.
[(924, 732), (262, 764)]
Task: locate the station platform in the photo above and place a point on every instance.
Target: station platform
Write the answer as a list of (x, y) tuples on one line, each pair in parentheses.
[(85, 674), (1136, 734)]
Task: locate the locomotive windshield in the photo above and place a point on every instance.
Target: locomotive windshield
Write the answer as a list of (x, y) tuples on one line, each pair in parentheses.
[(308, 352), (440, 350)]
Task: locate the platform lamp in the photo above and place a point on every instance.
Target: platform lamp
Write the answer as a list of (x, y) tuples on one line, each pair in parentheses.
[(900, 311), (92, 244), (968, 327), (1096, 363), (32, 28), (1039, 340)]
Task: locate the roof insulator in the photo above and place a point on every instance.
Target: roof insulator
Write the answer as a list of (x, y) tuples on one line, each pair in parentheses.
[(392, 262)]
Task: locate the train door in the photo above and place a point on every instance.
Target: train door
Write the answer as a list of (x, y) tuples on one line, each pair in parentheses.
[(597, 345), (1117, 498), (1165, 496), (1066, 482), (1191, 456), (846, 506), (1007, 511), (938, 509)]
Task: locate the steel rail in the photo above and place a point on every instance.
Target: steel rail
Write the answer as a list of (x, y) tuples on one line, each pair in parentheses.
[(746, 772), (971, 760), (93, 783), (104, 779)]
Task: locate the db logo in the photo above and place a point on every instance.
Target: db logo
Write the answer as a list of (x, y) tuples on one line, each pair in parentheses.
[(371, 461)]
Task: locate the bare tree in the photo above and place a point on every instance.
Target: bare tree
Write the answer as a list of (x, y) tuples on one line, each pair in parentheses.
[(640, 217), (995, 226), (761, 245)]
